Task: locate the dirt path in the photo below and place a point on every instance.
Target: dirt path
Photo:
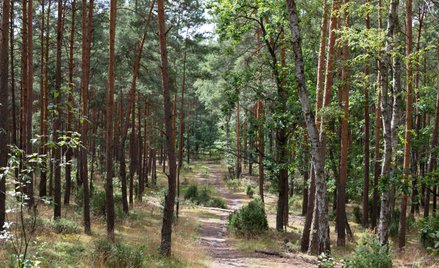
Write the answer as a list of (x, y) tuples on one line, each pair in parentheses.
[(214, 231)]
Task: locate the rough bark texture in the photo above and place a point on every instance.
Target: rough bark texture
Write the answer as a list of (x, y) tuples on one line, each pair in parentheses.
[(320, 211), (69, 152), (109, 134), (168, 213), (4, 109), (261, 147), (388, 115), (44, 111), (341, 191), (366, 144), (432, 160), (86, 50), (408, 128), (57, 120)]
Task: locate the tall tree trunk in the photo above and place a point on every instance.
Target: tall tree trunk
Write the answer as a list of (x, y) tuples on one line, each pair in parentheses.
[(44, 111), (432, 159), (87, 18), (341, 192), (168, 213), (321, 202), (109, 134), (388, 113), (238, 142), (408, 128), (42, 98), (366, 142), (319, 103), (69, 152), (57, 120), (4, 107), (261, 147), (378, 122)]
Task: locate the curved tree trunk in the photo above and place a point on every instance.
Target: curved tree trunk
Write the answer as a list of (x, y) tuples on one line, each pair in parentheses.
[(320, 205)]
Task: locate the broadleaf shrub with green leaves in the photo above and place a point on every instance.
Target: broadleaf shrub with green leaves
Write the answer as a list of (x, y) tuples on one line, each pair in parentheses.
[(429, 228), (370, 253)]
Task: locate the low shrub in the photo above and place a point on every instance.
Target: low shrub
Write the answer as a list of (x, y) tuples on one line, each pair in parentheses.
[(216, 203), (65, 226), (429, 228), (118, 255), (191, 192), (250, 191), (249, 220), (370, 253), (202, 197), (233, 184)]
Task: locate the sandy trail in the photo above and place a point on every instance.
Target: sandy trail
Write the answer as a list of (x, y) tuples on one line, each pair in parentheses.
[(214, 231)]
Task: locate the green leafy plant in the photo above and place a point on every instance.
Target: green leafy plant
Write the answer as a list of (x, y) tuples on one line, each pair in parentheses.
[(250, 191), (65, 226), (249, 220), (370, 253), (203, 197), (118, 255), (429, 228)]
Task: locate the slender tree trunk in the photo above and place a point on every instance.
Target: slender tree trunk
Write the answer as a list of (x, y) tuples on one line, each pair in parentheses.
[(238, 142), (261, 147), (44, 111), (57, 120), (408, 128), (387, 115), (109, 134), (42, 99), (366, 143), (432, 160), (321, 203), (341, 193), (4, 107), (69, 152), (87, 18), (168, 213), (378, 122)]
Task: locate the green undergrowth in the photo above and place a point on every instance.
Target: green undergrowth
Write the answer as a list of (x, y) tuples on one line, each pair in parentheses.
[(203, 197)]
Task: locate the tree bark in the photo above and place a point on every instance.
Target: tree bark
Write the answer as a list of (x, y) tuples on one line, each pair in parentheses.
[(320, 205), (408, 128), (69, 152), (87, 19), (341, 192), (366, 142), (4, 101), (57, 120), (168, 213), (109, 126), (238, 142), (388, 115)]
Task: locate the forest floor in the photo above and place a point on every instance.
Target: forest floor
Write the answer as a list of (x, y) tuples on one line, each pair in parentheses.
[(218, 243), (200, 236)]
